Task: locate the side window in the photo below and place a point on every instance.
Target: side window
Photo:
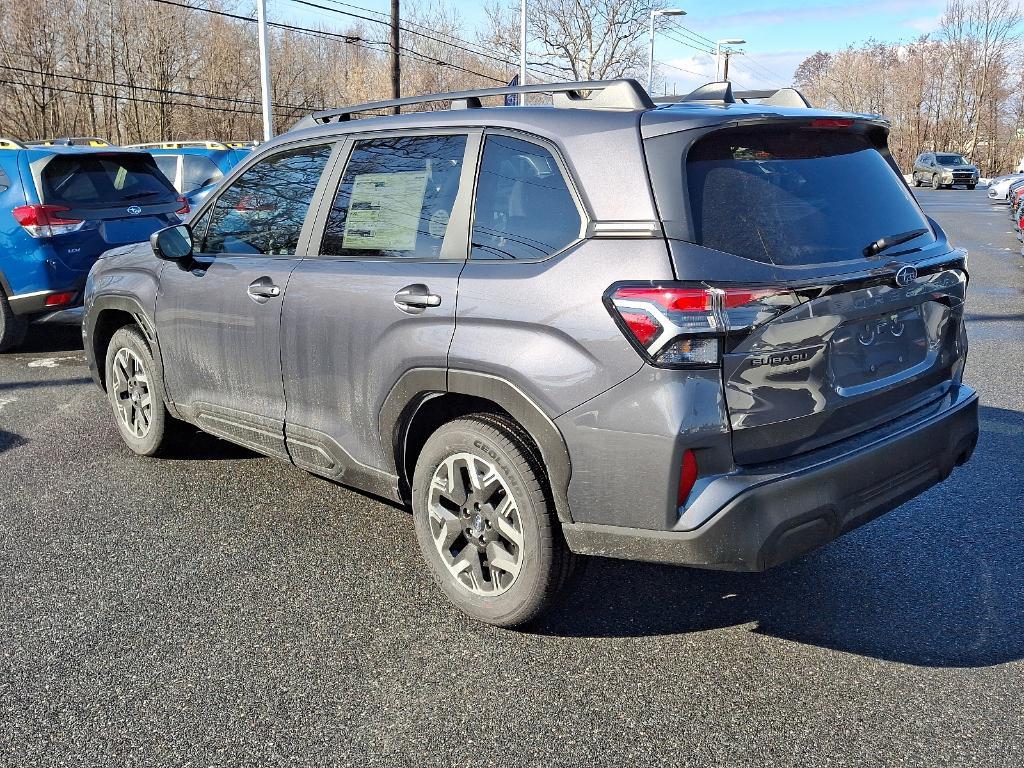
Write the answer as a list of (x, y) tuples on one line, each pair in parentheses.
[(198, 171), (5, 182), (396, 198), (168, 165), (262, 212), (524, 209)]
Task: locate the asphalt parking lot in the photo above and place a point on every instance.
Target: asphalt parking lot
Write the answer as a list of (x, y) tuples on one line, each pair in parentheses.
[(220, 608)]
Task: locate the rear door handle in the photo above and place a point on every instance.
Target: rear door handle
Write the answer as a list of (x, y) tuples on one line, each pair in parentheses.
[(263, 288), (416, 298)]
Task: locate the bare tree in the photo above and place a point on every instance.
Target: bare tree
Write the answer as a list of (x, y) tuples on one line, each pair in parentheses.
[(578, 39)]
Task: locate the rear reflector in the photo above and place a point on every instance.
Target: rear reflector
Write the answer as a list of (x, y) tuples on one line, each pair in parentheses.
[(60, 299), (687, 475), (45, 220)]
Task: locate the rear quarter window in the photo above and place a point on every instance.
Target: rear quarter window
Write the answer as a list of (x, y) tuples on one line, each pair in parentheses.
[(796, 196)]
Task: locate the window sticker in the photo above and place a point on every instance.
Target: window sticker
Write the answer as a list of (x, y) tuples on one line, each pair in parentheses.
[(385, 210)]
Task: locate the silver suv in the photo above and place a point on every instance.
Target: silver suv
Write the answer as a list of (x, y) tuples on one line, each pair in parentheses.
[(944, 169), (713, 333)]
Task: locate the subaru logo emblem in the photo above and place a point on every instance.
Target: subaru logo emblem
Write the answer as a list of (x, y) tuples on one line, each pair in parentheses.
[(135, 210), (906, 275)]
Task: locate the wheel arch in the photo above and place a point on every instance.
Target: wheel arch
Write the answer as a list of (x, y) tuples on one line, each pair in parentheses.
[(423, 399), (105, 316)]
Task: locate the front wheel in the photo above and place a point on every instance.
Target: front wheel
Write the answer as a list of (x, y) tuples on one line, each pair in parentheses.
[(12, 327), (971, 186), (485, 521), (135, 390), (936, 184)]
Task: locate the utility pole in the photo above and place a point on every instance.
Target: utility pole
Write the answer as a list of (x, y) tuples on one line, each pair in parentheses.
[(727, 55), (268, 114), (396, 64), (522, 45)]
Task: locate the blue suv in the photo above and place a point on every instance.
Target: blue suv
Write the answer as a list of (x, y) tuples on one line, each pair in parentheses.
[(61, 206), (196, 167)]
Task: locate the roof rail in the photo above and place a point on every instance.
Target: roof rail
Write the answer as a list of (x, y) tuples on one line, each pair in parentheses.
[(70, 141), (242, 144), (203, 144), (8, 143), (722, 93), (625, 95)]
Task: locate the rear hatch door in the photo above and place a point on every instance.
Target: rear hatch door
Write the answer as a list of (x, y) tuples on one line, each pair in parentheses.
[(121, 196), (839, 335)]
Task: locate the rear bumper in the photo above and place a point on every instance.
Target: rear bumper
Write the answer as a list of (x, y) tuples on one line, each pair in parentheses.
[(780, 512), (35, 303)]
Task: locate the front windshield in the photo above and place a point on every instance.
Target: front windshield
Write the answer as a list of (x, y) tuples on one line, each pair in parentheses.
[(951, 160)]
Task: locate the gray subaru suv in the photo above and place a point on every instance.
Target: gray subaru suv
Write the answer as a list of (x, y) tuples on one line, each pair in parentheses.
[(711, 333)]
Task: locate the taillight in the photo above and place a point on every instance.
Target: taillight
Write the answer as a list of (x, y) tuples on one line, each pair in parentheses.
[(831, 122), (681, 326), (45, 220), (184, 206)]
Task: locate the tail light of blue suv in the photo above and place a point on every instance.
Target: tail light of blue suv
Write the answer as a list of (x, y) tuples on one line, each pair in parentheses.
[(45, 220), (674, 325)]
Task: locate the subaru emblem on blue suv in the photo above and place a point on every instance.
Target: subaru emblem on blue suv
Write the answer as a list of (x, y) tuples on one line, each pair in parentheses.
[(134, 210), (906, 275)]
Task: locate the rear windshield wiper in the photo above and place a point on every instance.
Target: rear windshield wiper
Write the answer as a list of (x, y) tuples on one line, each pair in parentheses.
[(887, 242)]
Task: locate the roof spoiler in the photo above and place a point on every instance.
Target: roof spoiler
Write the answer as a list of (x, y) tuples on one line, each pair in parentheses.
[(722, 93), (623, 95)]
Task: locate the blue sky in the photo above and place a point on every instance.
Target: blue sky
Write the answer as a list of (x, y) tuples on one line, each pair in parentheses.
[(779, 34)]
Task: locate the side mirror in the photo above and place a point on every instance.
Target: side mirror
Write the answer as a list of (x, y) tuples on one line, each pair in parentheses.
[(172, 243)]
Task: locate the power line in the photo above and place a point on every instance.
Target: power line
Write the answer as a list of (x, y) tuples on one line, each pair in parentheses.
[(152, 89), (140, 99)]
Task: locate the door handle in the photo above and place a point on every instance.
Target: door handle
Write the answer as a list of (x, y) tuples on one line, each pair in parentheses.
[(263, 288), (416, 298)]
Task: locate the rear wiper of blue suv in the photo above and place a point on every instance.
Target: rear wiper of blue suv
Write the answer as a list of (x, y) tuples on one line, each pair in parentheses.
[(887, 242)]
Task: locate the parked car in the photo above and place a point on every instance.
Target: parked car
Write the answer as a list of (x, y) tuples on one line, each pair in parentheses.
[(944, 169), (999, 187), (70, 141), (699, 354), (194, 165), (60, 207)]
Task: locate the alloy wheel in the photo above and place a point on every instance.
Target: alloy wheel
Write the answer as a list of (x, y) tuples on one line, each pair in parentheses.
[(475, 524), (132, 396)]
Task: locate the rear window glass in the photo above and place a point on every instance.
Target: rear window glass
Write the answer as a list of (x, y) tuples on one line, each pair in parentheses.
[(793, 197), (95, 179)]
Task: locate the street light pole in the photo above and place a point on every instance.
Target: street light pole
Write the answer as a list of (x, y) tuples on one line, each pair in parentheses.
[(650, 57), (268, 113), (522, 44)]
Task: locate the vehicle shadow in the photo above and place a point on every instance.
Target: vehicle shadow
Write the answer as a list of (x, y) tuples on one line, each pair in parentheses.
[(52, 337), (938, 582), (192, 444), (9, 440)]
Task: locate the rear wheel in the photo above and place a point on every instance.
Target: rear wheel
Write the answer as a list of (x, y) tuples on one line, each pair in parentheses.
[(12, 327), (135, 390), (485, 521), (917, 181)]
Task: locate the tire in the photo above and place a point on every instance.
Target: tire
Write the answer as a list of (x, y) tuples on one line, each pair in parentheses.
[(971, 186), (510, 516), (12, 327), (135, 390), (917, 181), (935, 182)]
